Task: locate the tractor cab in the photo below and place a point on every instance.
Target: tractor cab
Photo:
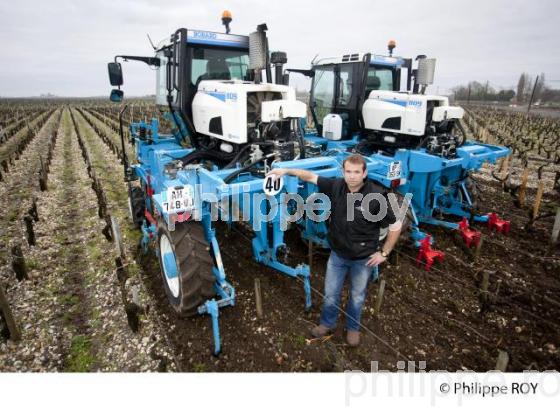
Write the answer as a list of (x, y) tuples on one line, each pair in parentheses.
[(192, 56), (340, 86), (222, 104), (185, 59)]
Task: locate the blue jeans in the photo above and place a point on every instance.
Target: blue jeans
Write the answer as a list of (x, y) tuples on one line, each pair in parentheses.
[(360, 274)]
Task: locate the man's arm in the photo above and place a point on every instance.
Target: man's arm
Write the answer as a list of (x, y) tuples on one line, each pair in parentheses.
[(302, 174), (390, 242)]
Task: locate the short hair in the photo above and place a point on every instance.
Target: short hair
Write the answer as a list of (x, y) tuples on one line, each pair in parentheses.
[(355, 159)]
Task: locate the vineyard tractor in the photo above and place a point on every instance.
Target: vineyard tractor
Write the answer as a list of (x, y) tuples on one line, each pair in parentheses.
[(232, 123), (414, 143)]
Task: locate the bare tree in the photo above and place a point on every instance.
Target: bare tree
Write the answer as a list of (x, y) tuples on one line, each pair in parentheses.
[(521, 88)]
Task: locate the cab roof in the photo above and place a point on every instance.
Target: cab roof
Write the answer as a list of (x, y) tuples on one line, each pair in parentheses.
[(376, 59)]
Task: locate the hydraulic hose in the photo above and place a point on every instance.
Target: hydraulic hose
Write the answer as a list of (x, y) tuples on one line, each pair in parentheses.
[(205, 154), (237, 156), (301, 139), (245, 168)]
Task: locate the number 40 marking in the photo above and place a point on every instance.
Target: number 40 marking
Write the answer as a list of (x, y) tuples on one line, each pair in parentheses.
[(271, 185)]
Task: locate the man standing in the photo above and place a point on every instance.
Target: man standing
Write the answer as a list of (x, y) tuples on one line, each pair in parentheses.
[(356, 221)]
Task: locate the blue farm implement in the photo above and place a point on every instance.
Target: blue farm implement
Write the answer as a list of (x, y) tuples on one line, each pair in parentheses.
[(229, 127)]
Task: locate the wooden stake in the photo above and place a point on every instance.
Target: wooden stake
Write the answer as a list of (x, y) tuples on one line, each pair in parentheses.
[(523, 186), (555, 228), (15, 334), (538, 199), (504, 167), (478, 248), (380, 294), (502, 362), (116, 233), (484, 286), (258, 298)]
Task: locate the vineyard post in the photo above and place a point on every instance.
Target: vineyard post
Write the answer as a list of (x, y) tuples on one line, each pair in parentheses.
[(555, 228), (258, 298), (532, 94), (538, 199), (504, 167), (380, 294), (523, 186), (503, 360), (477, 249), (484, 286)]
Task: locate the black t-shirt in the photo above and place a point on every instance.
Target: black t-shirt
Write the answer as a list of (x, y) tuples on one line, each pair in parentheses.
[(358, 237)]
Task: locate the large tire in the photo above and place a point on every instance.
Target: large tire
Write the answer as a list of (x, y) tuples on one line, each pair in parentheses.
[(136, 205), (186, 266)]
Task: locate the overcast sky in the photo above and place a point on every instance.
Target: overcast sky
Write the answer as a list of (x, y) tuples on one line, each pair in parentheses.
[(62, 46)]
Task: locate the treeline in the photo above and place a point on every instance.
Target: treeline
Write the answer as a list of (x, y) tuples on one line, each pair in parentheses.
[(543, 93), (476, 91), (526, 86)]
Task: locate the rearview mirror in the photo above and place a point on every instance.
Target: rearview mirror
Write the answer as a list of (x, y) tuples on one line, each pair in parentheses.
[(116, 95), (115, 74)]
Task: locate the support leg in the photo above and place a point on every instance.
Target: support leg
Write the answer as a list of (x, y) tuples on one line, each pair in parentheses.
[(211, 307)]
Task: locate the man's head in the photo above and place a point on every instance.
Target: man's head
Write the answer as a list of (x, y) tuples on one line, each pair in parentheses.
[(355, 171)]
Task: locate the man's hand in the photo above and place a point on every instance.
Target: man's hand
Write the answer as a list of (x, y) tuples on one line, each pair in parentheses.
[(375, 259), (302, 174), (277, 172)]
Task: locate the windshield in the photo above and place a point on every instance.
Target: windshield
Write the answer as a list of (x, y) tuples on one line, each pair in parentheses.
[(379, 79), (218, 64)]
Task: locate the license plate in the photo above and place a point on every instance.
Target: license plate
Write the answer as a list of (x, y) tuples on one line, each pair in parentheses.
[(394, 170), (178, 199)]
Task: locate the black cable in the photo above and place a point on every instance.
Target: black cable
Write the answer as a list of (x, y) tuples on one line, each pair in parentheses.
[(213, 155), (237, 156), (301, 140), (245, 168)]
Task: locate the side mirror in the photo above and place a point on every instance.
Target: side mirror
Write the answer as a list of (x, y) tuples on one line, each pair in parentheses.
[(116, 95), (115, 74)]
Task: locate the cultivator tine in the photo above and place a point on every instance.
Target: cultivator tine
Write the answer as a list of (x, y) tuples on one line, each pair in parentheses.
[(500, 225), (211, 307), (470, 236), (427, 254)]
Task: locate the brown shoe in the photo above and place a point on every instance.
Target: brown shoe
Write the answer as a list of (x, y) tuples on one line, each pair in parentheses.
[(320, 331), (353, 338)]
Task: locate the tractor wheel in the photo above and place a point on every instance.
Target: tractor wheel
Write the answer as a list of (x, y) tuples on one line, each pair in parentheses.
[(186, 266), (136, 205)]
